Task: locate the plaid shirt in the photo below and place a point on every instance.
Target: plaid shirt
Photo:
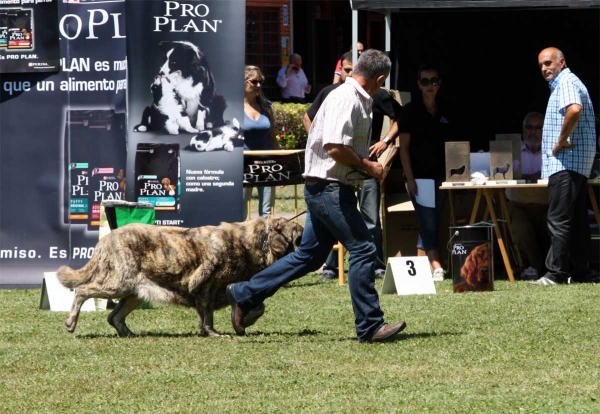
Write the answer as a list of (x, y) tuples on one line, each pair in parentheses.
[(343, 118), (566, 89)]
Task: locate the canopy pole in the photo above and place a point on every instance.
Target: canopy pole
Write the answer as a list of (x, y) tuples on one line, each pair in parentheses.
[(388, 39), (354, 36)]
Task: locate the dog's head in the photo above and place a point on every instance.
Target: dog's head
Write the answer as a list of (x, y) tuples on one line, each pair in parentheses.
[(283, 236), (166, 182), (476, 268), (199, 142), (229, 133), (183, 60)]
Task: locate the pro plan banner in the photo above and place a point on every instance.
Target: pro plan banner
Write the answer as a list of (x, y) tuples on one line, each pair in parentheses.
[(63, 144), (272, 168), (29, 36), (185, 105)]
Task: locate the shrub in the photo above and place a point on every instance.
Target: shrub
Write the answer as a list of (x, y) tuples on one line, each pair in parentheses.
[(288, 124)]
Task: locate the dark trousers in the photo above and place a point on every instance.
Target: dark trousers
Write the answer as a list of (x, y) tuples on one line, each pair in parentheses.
[(293, 99), (569, 227)]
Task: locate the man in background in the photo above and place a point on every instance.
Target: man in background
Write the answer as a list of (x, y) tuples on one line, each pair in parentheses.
[(337, 75), (568, 149), (293, 82), (528, 208)]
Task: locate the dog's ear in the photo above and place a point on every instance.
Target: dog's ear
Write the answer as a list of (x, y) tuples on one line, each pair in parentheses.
[(469, 267), (279, 244), (165, 46)]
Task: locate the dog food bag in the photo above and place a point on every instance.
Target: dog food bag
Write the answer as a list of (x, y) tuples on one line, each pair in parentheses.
[(472, 258), (20, 35), (107, 171), (158, 179), (4, 28), (76, 158)]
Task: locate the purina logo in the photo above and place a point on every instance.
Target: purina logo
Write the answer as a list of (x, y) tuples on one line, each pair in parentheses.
[(458, 249)]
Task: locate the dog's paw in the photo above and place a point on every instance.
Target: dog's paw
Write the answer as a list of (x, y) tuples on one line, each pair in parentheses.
[(228, 146), (140, 128), (70, 325)]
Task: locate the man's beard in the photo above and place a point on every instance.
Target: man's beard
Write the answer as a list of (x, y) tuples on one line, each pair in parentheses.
[(533, 145)]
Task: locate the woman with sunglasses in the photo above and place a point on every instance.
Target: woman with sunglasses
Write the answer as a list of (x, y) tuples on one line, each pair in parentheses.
[(424, 129), (259, 133)]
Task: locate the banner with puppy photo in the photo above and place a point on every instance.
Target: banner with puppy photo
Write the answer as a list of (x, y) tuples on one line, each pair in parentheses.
[(63, 144), (185, 107)]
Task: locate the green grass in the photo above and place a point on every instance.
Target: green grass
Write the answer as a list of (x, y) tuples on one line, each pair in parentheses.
[(517, 349), (284, 199)]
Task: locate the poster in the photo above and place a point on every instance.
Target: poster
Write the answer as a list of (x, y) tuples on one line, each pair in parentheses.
[(29, 36), (185, 108), (273, 168), (62, 145)]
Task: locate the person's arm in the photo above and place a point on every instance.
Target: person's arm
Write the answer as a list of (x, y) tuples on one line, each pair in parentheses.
[(379, 147), (336, 78), (572, 115), (388, 106), (346, 155), (282, 76), (406, 163), (307, 122)]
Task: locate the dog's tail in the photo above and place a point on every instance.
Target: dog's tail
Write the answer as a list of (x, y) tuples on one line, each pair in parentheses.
[(71, 278)]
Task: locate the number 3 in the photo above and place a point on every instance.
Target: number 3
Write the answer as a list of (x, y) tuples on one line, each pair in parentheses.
[(411, 268)]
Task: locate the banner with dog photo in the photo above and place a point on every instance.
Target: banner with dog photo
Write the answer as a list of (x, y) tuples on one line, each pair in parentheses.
[(185, 105), (62, 145)]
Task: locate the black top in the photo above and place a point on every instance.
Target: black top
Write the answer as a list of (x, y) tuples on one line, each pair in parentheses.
[(314, 107), (383, 104), (428, 136)]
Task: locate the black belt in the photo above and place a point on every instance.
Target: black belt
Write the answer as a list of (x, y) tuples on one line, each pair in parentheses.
[(322, 181)]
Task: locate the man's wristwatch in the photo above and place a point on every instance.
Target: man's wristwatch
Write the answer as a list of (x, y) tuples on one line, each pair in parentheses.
[(387, 140)]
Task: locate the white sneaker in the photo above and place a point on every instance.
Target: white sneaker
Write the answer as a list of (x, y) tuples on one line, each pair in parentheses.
[(438, 275)]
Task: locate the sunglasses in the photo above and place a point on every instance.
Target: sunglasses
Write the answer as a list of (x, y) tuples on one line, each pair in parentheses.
[(433, 81), (255, 82), (536, 127)]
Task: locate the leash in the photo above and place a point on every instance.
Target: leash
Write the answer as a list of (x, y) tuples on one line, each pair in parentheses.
[(296, 216)]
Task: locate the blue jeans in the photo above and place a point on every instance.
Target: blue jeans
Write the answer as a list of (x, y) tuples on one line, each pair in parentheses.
[(369, 200), (265, 196), (429, 220), (332, 216)]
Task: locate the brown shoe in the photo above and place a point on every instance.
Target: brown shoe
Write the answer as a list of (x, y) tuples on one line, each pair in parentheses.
[(386, 332), (240, 320)]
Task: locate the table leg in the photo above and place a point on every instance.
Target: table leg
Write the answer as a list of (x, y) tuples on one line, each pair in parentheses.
[(476, 206), (451, 200), (489, 195), (509, 224), (594, 203), (341, 254)]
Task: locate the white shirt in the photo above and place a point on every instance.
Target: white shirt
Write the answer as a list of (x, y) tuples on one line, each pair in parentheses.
[(292, 85), (343, 118)]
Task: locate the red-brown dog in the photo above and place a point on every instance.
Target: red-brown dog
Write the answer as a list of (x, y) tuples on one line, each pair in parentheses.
[(476, 271)]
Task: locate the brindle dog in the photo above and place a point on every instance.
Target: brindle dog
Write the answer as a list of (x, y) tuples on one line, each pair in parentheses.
[(190, 267)]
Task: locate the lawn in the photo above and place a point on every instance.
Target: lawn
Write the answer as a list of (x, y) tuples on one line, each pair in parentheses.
[(517, 349)]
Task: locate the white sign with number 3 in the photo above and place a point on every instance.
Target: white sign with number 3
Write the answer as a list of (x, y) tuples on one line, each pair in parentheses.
[(408, 276)]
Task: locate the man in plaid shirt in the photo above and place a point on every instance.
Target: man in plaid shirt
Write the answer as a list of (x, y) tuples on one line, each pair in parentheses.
[(568, 148)]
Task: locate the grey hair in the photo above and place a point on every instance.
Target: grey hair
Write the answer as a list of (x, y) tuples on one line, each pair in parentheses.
[(372, 63), (531, 115), (294, 56)]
